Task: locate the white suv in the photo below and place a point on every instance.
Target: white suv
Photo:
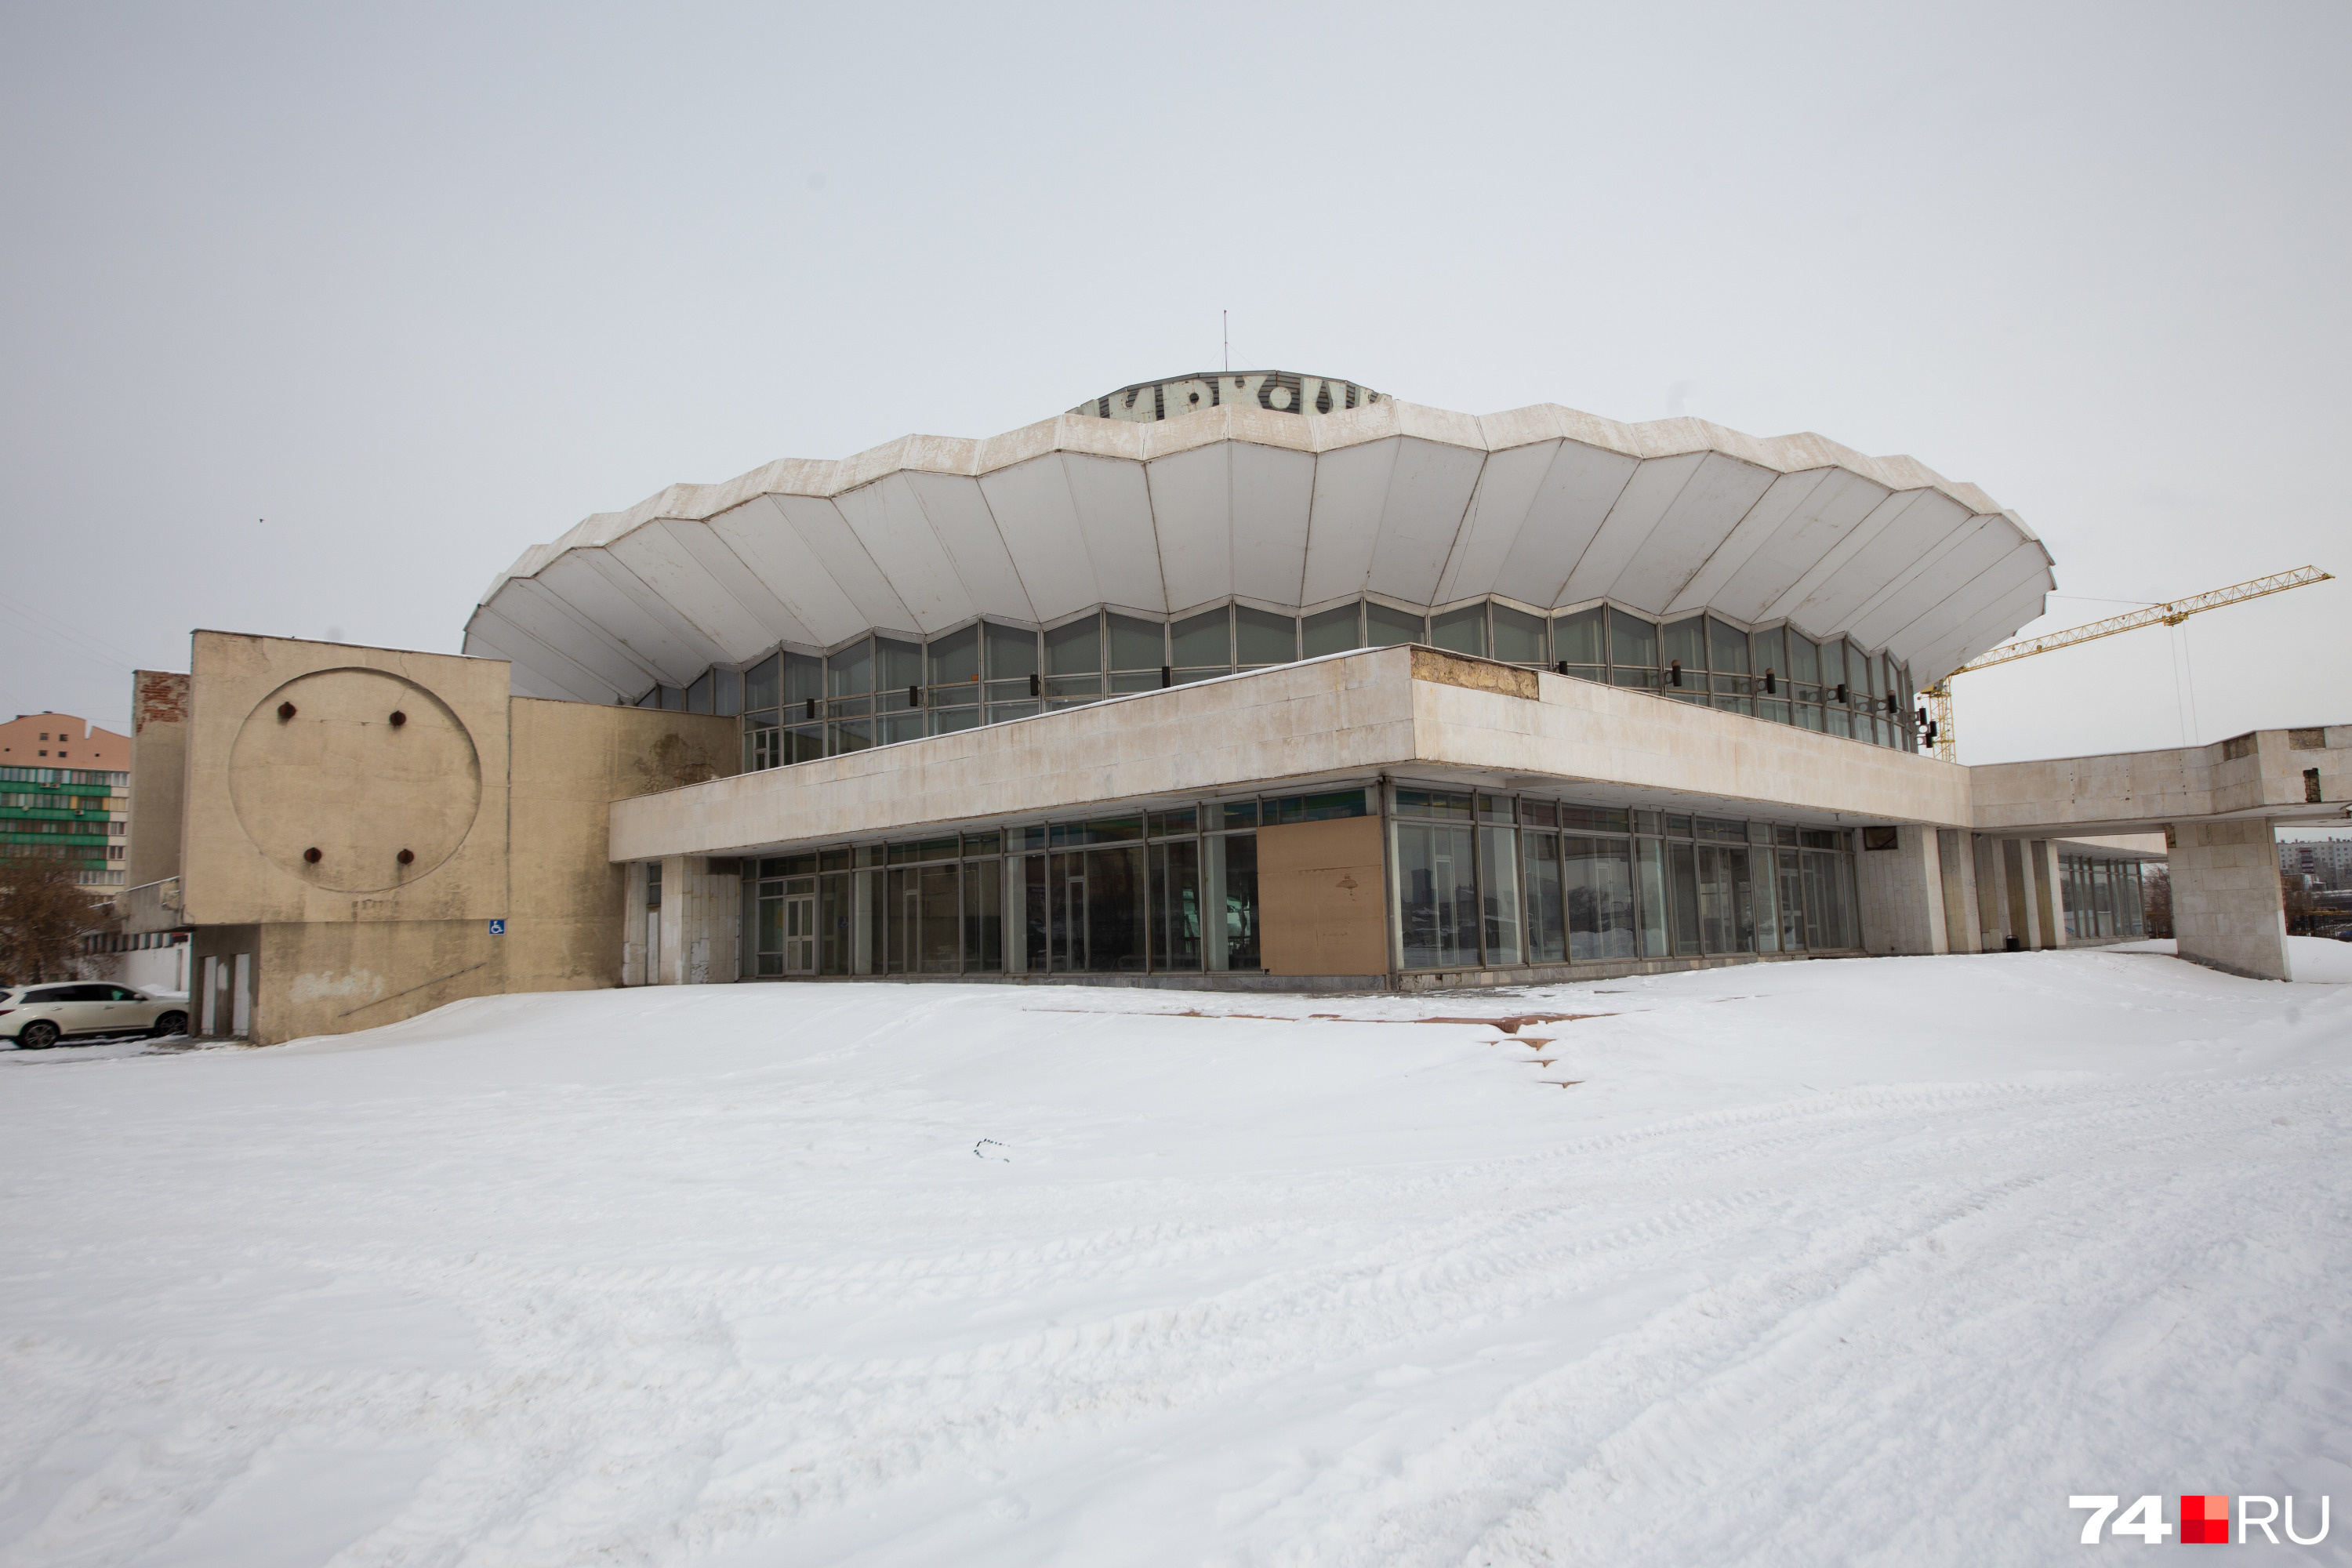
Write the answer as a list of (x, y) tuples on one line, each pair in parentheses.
[(38, 1017)]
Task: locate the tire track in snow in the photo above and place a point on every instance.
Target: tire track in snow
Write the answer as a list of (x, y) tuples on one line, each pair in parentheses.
[(1865, 1178)]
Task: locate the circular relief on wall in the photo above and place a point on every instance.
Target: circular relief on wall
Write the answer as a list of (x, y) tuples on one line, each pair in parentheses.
[(336, 792)]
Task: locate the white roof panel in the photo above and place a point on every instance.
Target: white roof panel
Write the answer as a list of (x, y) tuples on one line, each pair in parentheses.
[(1643, 501), (1038, 522), (1351, 489), (1272, 499), (1703, 513), (1543, 505), (1191, 506), (1578, 488)]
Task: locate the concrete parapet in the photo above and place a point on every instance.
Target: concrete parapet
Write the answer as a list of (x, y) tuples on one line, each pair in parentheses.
[(2227, 910)]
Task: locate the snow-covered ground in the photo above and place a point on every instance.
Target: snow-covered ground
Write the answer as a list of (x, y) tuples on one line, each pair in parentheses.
[(1862, 1261), (2313, 959)]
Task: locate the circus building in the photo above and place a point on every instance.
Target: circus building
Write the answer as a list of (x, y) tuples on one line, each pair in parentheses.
[(1259, 679)]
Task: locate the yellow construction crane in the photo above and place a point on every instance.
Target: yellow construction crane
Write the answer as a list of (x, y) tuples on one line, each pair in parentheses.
[(1939, 696)]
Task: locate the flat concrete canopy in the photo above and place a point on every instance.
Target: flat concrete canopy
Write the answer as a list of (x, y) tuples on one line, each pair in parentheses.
[(1545, 507)]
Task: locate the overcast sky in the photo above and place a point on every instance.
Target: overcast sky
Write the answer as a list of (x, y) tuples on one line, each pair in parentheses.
[(316, 317)]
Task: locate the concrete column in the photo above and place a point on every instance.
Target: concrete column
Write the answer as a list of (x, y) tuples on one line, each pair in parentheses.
[(1993, 901), (669, 957), (2049, 913), (2006, 862), (1901, 889), (634, 969), (2017, 866), (1959, 890), (699, 911), (2227, 908)]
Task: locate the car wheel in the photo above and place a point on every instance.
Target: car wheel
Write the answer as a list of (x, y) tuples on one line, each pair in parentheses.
[(170, 1023), (37, 1036)]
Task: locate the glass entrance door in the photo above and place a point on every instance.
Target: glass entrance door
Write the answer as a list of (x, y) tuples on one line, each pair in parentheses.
[(786, 936), (800, 934), (1070, 912)]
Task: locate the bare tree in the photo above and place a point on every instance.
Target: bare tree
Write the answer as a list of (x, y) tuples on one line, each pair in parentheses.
[(2302, 909), (2156, 901), (44, 913)]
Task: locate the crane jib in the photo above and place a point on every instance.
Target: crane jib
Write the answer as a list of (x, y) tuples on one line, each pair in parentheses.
[(1939, 696)]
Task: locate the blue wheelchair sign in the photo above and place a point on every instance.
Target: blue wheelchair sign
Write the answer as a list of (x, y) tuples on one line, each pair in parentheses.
[(498, 928)]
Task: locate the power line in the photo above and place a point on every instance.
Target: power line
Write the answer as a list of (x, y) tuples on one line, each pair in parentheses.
[(94, 648)]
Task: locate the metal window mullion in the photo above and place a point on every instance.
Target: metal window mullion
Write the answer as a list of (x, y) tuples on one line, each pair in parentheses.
[(1478, 880), (1389, 885)]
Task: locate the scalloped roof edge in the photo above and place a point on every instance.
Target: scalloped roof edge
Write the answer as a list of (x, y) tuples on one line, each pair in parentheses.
[(975, 456)]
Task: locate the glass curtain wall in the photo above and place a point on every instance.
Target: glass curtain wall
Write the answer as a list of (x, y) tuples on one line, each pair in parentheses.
[(1484, 880), (2103, 900), (796, 707), (1171, 891), (1479, 879)]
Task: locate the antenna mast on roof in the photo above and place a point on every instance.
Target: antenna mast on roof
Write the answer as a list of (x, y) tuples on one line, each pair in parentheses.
[(1227, 318)]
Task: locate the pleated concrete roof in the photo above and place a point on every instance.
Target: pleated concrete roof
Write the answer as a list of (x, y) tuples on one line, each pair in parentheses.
[(1543, 506)]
